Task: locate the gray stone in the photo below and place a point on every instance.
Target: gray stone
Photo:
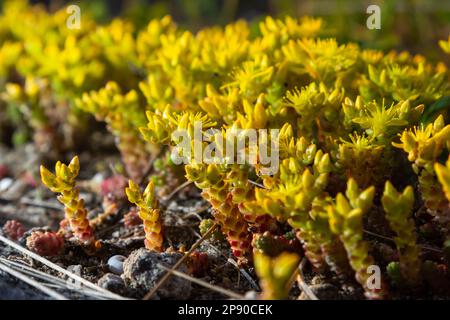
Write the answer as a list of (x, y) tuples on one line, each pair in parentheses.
[(112, 282), (141, 272), (75, 268)]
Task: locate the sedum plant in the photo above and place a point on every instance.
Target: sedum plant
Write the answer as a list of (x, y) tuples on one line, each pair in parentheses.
[(348, 118), (219, 185), (123, 114), (357, 154), (276, 274), (443, 174), (398, 207), (396, 81), (31, 103), (63, 182), (346, 220), (149, 213), (424, 145)]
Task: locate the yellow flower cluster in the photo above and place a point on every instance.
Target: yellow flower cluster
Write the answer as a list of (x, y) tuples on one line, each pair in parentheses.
[(424, 145), (123, 115), (343, 113)]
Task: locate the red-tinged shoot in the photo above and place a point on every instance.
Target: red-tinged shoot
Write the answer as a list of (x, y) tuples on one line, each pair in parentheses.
[(63, 182)]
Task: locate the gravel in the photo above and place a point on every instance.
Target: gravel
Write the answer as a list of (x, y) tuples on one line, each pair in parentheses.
[(141, 272)]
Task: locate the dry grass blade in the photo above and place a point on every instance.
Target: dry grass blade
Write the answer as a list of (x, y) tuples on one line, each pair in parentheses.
[(301, 282), (33, 283), (32, 272), (257, 184), (54, 266), (150, 294), (234, 263), (196, 212), (178, 189), (244, 273), (392, 240), (51, 280), (41, 204), (205, 284)]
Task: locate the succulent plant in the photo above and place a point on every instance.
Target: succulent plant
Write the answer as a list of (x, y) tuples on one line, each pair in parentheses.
[(398, 207), (276, 274), (63, 182), (45, 243), (346, 220), (347, 120), (149, 213), (13, 229)]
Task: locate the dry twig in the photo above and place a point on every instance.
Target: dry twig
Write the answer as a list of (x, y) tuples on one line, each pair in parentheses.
[(54, 266), (178, 189), (205, 284), (392, 240), (31, 282), (301, 282), (51, 280)]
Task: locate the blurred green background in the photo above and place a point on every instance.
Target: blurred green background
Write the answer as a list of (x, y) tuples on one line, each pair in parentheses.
[(414, 25)]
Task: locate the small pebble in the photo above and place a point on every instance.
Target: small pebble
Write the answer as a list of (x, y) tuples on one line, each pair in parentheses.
[(112, 283), (251, 295), (88, 197), (75, 268), (115, 264), (97, 178), (5, 183)]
